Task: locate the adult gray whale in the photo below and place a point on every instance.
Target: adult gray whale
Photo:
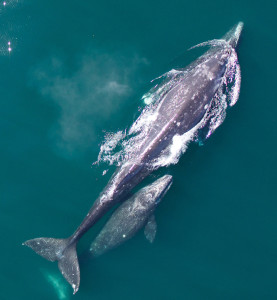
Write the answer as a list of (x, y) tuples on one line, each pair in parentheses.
[(131, 216), (187, 100)]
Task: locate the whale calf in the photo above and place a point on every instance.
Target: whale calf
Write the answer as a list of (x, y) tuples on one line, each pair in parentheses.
[(131, 216), (188, 100)]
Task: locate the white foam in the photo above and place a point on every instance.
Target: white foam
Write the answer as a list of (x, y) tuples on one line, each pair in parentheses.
[(235, 90), (106, 149), (178, 146)]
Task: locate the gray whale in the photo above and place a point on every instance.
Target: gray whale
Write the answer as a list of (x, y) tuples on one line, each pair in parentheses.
[(182, 105), (131, 216)]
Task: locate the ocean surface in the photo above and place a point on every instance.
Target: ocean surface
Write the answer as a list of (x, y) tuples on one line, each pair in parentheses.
[(72, 71)]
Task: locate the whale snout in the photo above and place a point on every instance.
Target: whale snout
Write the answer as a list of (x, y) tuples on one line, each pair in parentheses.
[(233, 35)]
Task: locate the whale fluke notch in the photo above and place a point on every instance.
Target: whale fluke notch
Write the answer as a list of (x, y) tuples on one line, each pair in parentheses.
[(60, 250)]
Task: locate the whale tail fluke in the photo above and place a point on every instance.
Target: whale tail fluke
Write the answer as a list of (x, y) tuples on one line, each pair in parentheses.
[(64, 252)]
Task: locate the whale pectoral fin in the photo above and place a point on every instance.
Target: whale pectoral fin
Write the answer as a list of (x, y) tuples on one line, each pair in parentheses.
[(211, 43), (150, 229)]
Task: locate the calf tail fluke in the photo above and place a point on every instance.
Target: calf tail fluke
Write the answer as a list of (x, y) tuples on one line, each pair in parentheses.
[(64, 252)]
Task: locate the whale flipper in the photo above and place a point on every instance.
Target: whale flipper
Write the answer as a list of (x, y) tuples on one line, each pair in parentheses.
[(60, 250), (211, 43), (150, 229)]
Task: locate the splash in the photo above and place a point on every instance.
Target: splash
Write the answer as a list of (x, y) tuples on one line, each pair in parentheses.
[(112, 140), (129, 142), (178, 146)]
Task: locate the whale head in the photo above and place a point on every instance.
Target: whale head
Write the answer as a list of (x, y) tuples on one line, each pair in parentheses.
[(233, 35), (151, 195)]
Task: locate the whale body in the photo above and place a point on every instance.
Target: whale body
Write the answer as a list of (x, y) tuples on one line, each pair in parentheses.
[(189, 99), (131, 216)]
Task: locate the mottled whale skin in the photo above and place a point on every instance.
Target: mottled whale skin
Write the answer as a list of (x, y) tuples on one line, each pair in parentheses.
[(131, 216), (178, 111)]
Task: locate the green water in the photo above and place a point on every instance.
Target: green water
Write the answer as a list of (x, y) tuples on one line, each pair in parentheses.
[(77, 69)]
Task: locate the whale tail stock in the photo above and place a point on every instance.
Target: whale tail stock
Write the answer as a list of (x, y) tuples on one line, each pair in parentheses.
[(63, 251)]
